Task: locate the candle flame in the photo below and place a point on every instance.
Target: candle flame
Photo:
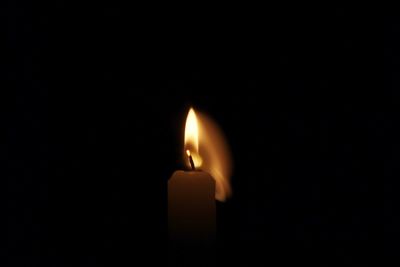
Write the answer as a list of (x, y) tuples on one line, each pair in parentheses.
[(192, 138), (205, 142)]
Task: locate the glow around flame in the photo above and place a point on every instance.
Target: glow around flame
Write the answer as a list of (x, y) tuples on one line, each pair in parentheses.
[(209, 150)]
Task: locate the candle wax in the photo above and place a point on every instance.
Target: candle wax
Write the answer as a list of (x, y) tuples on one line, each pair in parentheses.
[(191, 207)]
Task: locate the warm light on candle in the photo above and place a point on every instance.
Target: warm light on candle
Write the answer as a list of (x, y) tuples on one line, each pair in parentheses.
[(206, 144)]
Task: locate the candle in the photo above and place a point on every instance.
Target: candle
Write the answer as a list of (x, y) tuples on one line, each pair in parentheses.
[(192, 193), (191, 207)]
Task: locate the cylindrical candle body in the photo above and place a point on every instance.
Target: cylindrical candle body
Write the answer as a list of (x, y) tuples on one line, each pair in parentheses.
[(191, 207)]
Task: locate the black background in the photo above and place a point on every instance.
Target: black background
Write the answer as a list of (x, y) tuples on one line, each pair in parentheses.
[(93, 122)]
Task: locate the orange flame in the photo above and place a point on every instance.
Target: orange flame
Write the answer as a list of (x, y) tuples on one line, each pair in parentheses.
[(205, 142), (192, 138)]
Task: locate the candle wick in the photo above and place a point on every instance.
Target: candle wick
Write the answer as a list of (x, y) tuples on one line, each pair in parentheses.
[(191, 160), (192, 163)]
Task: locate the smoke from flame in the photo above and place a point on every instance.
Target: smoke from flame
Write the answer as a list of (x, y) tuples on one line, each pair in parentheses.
[(209, 150)]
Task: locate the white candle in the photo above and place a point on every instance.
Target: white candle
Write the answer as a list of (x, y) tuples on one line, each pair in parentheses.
[(191, 206), (192, 193)]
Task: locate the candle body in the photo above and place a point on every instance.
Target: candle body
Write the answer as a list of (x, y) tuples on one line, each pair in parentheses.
[(191, 207)]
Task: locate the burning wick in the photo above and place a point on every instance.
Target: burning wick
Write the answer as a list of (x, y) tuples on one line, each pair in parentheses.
[(190, 159)]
